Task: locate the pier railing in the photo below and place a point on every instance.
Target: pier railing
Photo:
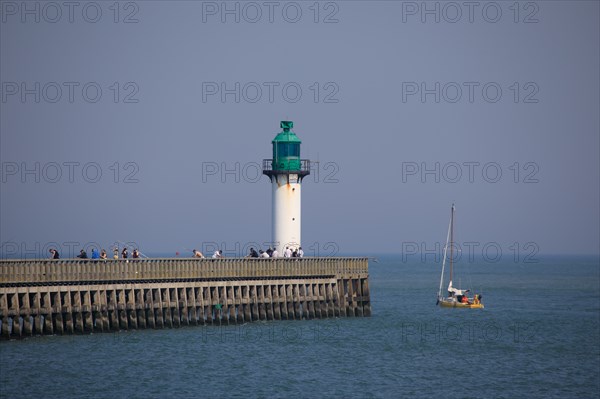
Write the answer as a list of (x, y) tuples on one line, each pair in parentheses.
[(80, 270)]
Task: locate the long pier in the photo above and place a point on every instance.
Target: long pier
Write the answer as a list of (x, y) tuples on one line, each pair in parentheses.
[(39, 297)]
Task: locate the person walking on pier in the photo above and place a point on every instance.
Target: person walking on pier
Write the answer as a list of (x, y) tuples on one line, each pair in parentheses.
[(198, 254), (82, 254), (95, 254), (135, 254), (252, 254), (287, 253), (300, 253), (218, 254), (264, 254), (116, 253), (103, 254), (54, 254), (124, 253), (275, 253)]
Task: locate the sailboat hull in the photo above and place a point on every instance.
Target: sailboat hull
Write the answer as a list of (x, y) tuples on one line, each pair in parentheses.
[(456, 304)]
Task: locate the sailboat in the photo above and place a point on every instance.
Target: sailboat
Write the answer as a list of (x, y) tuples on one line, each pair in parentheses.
[(455, 298)]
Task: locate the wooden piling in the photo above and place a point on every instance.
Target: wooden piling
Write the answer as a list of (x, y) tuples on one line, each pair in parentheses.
[(269, 302)]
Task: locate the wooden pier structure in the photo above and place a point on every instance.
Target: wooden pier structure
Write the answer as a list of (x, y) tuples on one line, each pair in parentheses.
[(39, 297)]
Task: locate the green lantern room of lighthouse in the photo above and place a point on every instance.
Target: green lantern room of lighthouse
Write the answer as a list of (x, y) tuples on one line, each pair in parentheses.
[(286, 149), (286, 155)]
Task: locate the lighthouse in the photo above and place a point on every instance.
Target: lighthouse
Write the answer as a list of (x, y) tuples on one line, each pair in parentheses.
[(286, 171)]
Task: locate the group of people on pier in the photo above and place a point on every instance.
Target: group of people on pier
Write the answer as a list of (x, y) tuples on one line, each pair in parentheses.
[(289, 252), (102, 255), (269, 253)]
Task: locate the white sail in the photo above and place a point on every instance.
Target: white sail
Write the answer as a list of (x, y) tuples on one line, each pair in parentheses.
[(455, 291)]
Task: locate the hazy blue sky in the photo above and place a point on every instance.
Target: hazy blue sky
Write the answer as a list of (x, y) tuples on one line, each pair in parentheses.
[(387, 91)]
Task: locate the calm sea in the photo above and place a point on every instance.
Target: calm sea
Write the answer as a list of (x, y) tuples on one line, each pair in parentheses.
[(539, 336)]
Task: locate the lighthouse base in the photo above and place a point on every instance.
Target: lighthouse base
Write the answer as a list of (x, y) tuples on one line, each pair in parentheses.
[(287, 192)]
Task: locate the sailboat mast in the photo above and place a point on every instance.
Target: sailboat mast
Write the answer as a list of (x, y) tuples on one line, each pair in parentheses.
[(451, 240), (444, 260)]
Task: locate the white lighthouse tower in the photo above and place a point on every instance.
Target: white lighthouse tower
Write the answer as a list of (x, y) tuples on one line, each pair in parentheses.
[(286, 171)]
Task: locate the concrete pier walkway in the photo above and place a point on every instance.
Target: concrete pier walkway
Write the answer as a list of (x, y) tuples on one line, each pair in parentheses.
[(84, 296)]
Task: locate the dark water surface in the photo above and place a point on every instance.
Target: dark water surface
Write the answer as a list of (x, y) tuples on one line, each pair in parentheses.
[(539, 336)]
